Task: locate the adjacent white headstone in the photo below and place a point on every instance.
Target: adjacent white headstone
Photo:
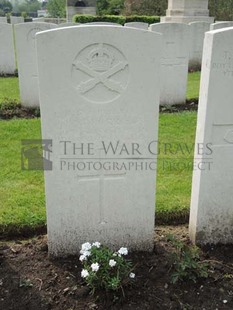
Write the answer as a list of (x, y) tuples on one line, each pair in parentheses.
[(137, 25), (197, 34), (175, 58), (26, 58), (3, 19), (7, 52), (39, 20), (16, 20), (221, 25), (68, 25), (102, 24), (92, 93), (211, 218)]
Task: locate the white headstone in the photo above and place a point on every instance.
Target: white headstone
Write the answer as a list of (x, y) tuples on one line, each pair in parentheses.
[(102, 24), (39, 20), (69, 24), (16, 20), (221, 25), (93, 90), (197, 34), (26, 59), (175, 58), (211, 218), (137, 25), (7, 51), (3, 19)]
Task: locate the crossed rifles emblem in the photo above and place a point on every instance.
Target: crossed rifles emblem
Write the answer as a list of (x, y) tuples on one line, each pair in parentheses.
[(100, 77)]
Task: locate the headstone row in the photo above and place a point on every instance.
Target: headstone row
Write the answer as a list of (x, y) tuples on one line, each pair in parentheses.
[(99, 97), (182, 49), (175, 58), (27, 64)]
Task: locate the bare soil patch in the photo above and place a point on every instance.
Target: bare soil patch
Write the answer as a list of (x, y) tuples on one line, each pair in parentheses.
[(29, 280)]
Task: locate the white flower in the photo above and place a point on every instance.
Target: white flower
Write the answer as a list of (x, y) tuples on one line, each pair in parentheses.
[(97, 244), (84, 273), (224, 301), (82, 258), (95, 267), (112, 263), (85, 247), (114, 254), (85, 253), (123, 251), (132, 275)]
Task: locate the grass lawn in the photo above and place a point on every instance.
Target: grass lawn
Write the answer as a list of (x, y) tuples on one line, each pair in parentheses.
[(22, 192), (193, 85), (22, 202), (177, 138), (9, 87)]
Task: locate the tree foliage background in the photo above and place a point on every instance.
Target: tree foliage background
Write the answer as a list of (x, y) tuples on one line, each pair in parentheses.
[(5, 7), (57, 8), (220, 9), (110, 7), (27, 6)]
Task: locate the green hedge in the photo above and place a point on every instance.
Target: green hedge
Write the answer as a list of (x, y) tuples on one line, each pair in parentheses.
[(119, 19)]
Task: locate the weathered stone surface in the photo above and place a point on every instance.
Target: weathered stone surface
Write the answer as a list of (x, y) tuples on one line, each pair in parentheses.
[(92, 92), (220, 25), (174, 63), (211, 217), (68, 24), (102, 24), (138, 25), (197, 34), (26, 58), (3, 19), (187, 11), (16, 20), (7, 52)]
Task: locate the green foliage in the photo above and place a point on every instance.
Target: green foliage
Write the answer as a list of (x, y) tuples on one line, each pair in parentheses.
[(221, 9), (57, 8), (105, 18), (119, 19), (149, 7), (28, 6), (143, 19), (22, 192), (25, 283), (186, 262), (104, 269), (110, 7), (5, 6), (24, 14)]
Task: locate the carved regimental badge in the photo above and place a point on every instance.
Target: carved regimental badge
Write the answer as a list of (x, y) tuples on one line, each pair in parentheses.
[(100, 73)]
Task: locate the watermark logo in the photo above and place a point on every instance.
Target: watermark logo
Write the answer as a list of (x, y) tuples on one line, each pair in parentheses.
[(115, 156), (35, 155)]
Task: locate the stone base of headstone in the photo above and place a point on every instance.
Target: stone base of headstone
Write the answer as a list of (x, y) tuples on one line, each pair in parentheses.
[(186, 19), (187, 11)]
